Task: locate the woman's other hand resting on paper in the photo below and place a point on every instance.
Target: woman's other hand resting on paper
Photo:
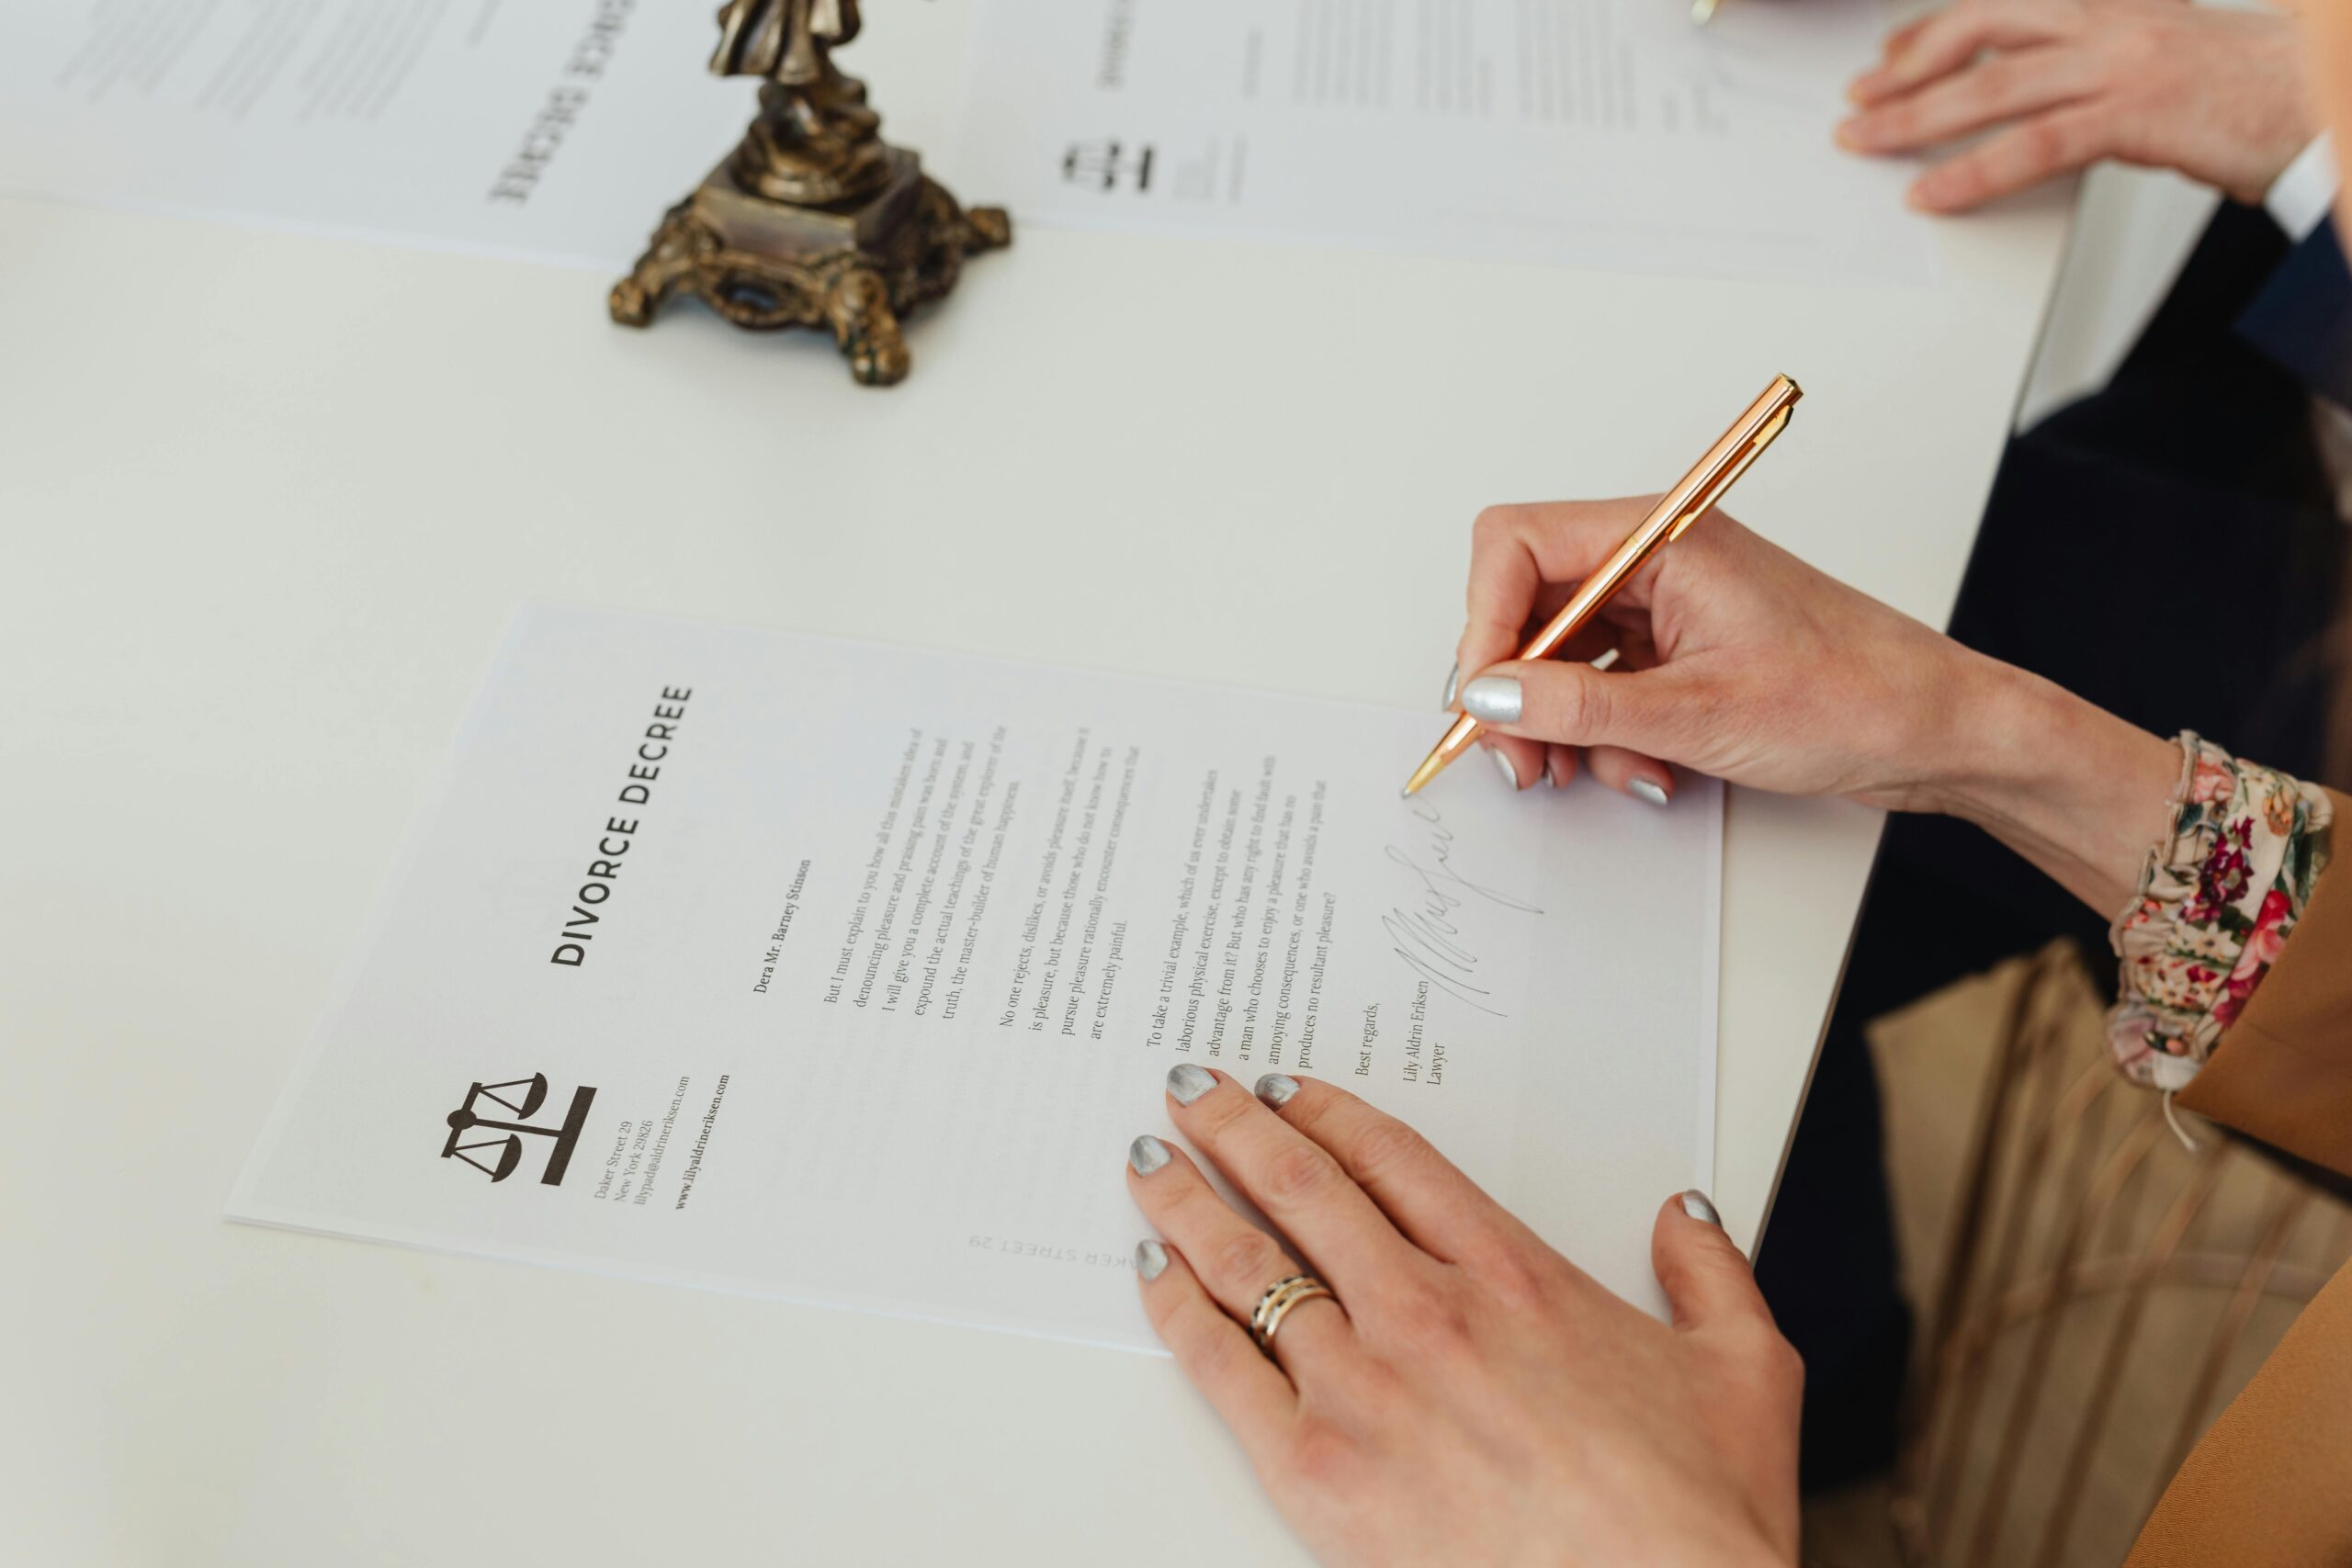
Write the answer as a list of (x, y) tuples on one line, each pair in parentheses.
[(1478, 1400), (2216, 95), (1740, 660)]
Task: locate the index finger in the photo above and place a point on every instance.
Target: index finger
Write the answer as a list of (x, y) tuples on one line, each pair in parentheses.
[(1300, 1187), (1952, 38), (1439, 1210), (1522, 561), (2042, 148)]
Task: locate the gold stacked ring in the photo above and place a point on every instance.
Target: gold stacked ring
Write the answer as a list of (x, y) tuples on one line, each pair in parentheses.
[(1275, 1304)]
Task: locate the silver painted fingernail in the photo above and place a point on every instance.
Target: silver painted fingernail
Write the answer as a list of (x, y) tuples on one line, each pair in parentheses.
[(1492, 699), (1147, 1153), (1275, 1089), (1188, 1083), (1695, 1204), (1503, 766), (1647, 789), (1452, 679), (1150, 1259)]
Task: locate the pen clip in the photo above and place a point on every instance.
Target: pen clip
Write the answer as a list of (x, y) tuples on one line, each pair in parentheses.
[(1723, 481)]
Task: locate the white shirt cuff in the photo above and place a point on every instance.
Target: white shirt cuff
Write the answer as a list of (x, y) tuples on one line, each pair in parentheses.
[(2299, 199)]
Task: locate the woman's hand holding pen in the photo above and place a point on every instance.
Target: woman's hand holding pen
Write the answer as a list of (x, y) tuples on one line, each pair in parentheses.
[(1738, 659), (1712, 631), (2216, 95)]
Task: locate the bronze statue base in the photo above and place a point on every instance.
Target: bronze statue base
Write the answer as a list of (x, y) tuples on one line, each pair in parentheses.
[(856, 269)]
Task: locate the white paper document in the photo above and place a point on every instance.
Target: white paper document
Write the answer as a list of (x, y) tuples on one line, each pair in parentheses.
[(555, 129), (1594, 132), (1598, 132), (845, 973)]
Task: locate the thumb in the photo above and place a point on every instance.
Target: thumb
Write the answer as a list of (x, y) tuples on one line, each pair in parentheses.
[(1707, 1278), (1570, 703)]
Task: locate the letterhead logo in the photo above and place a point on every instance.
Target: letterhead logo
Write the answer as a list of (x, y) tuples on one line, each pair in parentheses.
[(1107, 164), (508, 1143)]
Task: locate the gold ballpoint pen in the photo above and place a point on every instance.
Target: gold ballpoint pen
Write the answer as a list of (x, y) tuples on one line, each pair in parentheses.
[(1675, 511)]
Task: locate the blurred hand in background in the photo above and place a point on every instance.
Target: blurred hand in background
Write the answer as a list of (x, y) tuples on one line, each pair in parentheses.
[(2218, 95)]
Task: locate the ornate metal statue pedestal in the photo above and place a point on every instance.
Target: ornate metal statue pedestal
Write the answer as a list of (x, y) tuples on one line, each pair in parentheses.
[(857, 267)]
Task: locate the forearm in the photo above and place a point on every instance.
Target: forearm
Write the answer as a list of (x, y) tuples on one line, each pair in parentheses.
[(2079, 792)]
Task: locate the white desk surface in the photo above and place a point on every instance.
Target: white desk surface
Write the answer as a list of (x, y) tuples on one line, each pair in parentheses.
[(266, 500)]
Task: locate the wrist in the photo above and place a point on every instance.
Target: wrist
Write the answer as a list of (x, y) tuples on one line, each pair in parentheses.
[(2274, 113), (2079, 792)]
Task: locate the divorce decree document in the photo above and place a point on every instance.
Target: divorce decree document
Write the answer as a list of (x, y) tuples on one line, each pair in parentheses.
[(845, 973), (550, 129)]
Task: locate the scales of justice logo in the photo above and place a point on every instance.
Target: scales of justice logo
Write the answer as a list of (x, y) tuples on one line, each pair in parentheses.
[(497, 1150)]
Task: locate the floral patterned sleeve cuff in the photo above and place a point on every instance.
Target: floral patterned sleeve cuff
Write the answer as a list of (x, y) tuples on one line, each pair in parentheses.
[(2220, 892)]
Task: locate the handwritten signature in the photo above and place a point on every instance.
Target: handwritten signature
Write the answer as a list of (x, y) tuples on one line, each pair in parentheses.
[(1426, 927)]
